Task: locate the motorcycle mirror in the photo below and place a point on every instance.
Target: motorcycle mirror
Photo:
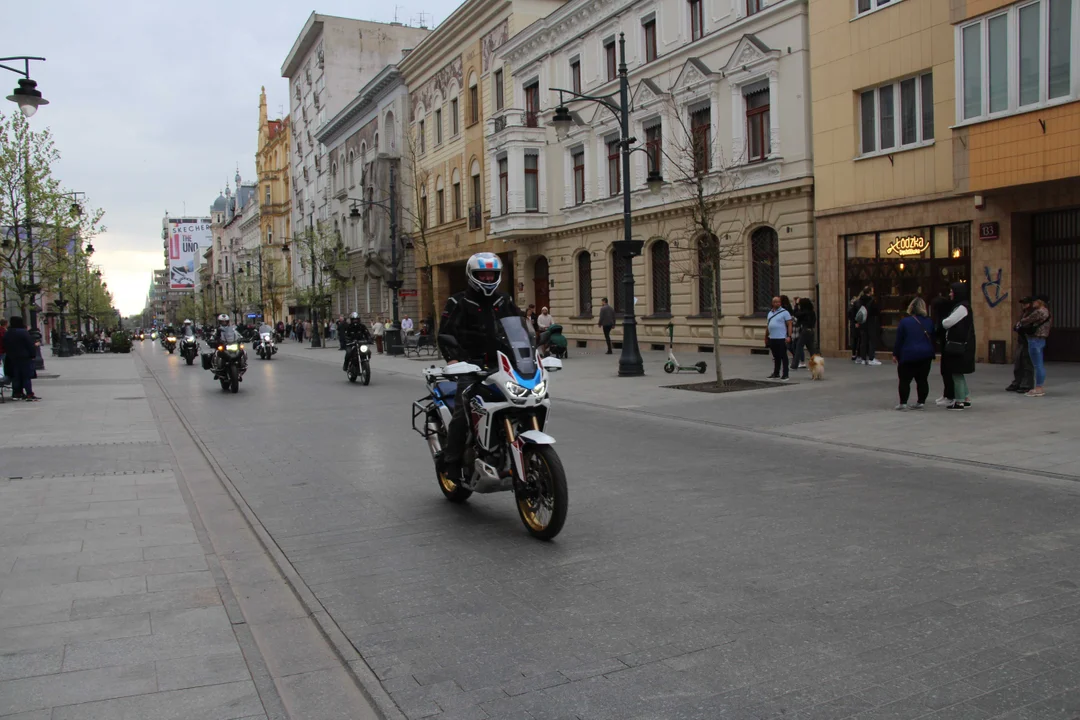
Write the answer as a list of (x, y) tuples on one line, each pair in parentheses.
[(551, 364)]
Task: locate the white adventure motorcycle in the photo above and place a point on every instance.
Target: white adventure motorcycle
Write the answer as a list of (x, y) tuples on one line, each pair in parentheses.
[(506, 448)]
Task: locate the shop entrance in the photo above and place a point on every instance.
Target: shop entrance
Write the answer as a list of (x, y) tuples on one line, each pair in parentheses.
[(1056, 264)]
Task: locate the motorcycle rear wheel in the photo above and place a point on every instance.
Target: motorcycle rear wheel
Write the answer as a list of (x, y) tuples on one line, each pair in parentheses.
[(543, 501), (234, 379)]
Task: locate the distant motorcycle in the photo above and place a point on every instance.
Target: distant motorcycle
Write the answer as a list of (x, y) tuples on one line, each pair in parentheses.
[(189, 348), (264, 343), (169, 343), (358, 362), (228, 361)]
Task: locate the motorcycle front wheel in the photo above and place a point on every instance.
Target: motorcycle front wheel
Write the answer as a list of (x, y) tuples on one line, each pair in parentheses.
[(190, 360), (365, 374), (543, 500), (234, 379)]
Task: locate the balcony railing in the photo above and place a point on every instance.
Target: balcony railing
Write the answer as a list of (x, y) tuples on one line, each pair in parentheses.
[(512, 118), (532, 118), (476, 217)]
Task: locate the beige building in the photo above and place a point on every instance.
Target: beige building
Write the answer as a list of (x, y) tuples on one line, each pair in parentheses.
[(453, 88), (719, 97), (947, 149), (271, 265)]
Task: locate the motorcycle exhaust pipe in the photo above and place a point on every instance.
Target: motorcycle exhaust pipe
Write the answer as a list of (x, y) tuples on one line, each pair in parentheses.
[(433, 439)]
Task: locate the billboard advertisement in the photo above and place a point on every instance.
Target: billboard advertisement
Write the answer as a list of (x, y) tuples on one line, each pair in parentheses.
[(187, 239)]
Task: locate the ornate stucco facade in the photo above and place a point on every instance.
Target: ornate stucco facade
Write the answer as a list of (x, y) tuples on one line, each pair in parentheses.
[(738, 82), (274, 227)]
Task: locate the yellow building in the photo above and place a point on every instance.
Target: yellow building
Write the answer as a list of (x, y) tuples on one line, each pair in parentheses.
[(275, 206), (947, 148), (451, 87)]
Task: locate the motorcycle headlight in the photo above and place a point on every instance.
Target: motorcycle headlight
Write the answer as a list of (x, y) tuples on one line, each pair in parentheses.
[(540, 389), (516, 390), (363, 349), (171, 339), (233, 347)]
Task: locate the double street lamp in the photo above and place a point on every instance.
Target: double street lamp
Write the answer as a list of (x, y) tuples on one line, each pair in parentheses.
[(630, 362), (393, 333)]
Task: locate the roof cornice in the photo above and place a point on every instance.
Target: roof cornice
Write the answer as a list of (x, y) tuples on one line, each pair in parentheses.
[(377, 88), (445, 40)]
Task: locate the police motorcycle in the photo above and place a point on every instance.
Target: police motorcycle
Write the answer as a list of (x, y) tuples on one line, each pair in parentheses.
[(189, 344), (264, 342), (506, 447), (227, 361)]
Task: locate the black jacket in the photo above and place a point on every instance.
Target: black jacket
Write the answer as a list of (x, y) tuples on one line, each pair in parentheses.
[(962, 332), (470, 317), (19, 345), (355, 331)]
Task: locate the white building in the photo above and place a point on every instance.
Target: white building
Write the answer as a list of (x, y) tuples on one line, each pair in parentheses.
[(230, 214), (734, 74), (331, 61)]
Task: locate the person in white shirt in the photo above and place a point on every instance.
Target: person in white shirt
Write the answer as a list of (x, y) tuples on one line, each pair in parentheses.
[(544, 320), (407, 325), (779, 333)]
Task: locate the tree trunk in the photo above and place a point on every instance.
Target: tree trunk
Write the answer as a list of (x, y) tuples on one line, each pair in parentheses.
[(716, 323)]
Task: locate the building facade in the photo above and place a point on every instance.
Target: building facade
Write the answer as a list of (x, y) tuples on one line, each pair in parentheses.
[(331, 60), (453, 89), (947, 149), (363, 144), (719, 95)]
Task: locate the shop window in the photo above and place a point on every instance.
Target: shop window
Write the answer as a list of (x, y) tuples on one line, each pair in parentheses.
[(765, 259), (697, 19), (660, 259), (883, 128), (997, 78), (584, 283)]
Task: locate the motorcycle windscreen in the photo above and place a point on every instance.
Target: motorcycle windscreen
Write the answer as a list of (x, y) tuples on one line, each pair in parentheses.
[(516, 340), (229, 335), (189, 332), (265, 329)]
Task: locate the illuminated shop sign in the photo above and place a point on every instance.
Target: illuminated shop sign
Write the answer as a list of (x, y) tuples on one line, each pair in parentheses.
[(908, 246)]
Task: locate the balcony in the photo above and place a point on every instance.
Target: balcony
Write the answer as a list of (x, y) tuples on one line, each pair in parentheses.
[(476, 217), (515, 124)]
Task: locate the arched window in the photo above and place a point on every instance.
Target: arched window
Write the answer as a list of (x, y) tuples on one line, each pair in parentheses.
[(440, 207), (352, 175), (391, 132), (474, 100), (765, 254), (375, 147), (584, 283), (619, 263), (660, 258), (333, 177), (455, 199), (423, 207), (341, 161), (708, 260)]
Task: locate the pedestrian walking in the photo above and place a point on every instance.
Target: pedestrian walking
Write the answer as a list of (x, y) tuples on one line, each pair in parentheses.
[(378, 329), (806, 323), (785, 302), (868, 317), (1038, 328), (1023, 369), (20, 350), (778, 335), (607, 321), (958, 354), (913, 352)]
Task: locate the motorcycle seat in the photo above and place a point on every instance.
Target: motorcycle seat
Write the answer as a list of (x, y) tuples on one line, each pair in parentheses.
[(445, 392)]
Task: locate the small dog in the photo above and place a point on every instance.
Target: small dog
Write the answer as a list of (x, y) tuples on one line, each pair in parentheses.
[(817, 367)]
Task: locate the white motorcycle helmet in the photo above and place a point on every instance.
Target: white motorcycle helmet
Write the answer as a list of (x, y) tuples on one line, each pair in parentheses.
[(484, 271), (354, 316), (222, 319)]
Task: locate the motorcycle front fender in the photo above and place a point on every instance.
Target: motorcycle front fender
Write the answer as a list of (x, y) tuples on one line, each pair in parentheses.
[(535, 437)]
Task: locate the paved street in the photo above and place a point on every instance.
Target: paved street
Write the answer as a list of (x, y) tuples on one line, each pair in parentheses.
[(704, 571), (799, 552)]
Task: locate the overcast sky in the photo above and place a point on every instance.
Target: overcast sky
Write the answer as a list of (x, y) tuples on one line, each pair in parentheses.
[(154, 104)]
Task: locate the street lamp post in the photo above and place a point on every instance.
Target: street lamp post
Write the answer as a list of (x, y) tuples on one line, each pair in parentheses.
[(26, 95), (630, 362), (393, 333)]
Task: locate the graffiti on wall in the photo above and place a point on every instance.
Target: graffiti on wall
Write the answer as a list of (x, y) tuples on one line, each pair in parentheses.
[(992, 289)]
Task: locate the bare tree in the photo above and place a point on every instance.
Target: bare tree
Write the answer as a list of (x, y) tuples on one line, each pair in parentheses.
[(705, 184)]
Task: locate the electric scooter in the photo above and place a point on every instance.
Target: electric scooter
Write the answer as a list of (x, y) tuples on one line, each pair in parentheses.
[(672, 363)]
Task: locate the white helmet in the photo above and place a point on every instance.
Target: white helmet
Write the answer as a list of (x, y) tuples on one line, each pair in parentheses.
[(354, 316), (491, 266), (223, 319), (187, 322)]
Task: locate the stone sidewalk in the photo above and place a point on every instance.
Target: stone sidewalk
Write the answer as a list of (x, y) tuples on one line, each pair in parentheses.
[(851, 408), (130, 584)]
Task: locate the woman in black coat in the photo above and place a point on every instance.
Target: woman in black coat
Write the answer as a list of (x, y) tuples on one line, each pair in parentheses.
[(19, 360), (958, 351)]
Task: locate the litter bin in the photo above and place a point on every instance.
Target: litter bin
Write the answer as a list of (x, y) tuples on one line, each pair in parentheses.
[(996, 353), (392, 340)]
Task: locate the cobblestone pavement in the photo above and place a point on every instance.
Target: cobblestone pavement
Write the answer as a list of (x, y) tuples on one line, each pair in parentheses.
[(707, 570)]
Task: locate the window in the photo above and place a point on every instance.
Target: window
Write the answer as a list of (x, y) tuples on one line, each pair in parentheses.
[(270, 236), (440, 208), (609, 58), (649, 28), (697, 19), (504, 186), (619, 262), (708, 257), (584, 283), (457, 200), (267, 194), (421, 134), (653, 147), (532, 183), (879, 123), (423, 207), (1016, 59), (614, 177), (578, 160), (454, 117), (758, 138), (474, 103), (498, 81), (532, 104), (753, 6), (477, 191), (660, 257), (438, 127), (575, 74), (765, 253), (865, 6), (701, 130)]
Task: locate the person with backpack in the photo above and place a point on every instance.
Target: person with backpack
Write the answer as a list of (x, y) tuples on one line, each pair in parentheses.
[(866, 318)]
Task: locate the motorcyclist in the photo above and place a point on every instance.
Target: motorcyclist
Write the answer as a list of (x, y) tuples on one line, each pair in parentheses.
[(188, 329), (355, 331), (471, 317), (222, 323)]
